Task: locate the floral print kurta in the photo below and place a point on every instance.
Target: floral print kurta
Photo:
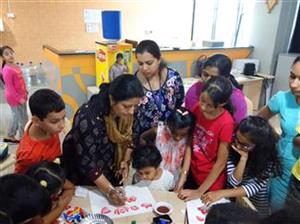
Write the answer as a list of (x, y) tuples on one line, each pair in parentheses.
[(157, 105)]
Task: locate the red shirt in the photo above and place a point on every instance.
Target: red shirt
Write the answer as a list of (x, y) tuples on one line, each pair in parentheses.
[(31, 151), (206, 139)]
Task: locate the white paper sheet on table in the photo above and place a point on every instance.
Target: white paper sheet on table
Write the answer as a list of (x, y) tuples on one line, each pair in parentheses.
[(196, 210), (139, 200)]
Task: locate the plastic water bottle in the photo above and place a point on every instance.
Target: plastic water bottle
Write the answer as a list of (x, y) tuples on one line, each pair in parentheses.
[(25, 72), (32, 74), (42, 75)]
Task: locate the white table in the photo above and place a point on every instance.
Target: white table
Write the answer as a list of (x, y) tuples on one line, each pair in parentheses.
[(178, 214), (7, 166)]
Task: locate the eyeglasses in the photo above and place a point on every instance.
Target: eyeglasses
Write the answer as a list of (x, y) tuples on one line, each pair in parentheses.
[(243, 146)]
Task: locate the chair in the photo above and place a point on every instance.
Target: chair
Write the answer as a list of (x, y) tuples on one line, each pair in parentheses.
[(245, 202), (249, 106)]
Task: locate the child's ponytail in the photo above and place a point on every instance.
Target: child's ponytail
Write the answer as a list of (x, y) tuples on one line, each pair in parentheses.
[(181, 118), (50, 176), (219, 89)]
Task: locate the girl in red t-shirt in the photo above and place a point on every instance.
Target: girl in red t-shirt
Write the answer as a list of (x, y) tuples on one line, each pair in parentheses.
[(211, 137)]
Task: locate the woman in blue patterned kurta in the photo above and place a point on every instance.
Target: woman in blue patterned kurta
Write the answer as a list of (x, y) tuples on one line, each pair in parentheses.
[(163, 88)]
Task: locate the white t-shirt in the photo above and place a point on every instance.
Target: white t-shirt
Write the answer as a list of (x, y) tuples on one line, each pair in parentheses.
[(164, 183)]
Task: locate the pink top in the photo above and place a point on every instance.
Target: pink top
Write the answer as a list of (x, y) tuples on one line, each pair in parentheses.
[(237, 100), (15, 88)]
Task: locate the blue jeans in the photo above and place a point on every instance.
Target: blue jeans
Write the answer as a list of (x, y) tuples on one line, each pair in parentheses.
[(19, 120)]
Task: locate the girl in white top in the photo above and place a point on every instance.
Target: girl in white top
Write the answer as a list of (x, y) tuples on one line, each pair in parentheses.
[(173, 142)]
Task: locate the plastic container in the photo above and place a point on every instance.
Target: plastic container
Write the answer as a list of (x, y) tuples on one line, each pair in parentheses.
[(25, 71), (42, 75), (33, 74), (111, 25)]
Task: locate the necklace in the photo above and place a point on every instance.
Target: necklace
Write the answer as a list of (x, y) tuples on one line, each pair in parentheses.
[(157, 97), (150, 83)]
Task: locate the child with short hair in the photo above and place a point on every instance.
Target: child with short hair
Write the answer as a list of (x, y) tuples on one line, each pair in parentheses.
[(52, 177), (231, 213), (173, 141), (146, 160), (41, 140), (22, 199), (211, 138)]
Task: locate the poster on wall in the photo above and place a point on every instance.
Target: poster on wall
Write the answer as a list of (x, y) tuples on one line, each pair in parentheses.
[(92, 27), (92, 20)]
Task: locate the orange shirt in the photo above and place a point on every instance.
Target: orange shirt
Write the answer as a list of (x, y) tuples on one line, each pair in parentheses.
[(32, 151)]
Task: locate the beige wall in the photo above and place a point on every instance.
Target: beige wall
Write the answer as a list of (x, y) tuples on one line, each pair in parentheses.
[(60, 23)]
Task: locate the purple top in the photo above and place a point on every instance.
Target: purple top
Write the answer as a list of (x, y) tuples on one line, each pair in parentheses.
[(237, 100)]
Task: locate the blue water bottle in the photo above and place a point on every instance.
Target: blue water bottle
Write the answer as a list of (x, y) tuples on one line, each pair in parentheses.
[(111, 25)]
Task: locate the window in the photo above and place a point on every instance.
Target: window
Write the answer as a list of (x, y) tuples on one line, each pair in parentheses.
[(222, 20)]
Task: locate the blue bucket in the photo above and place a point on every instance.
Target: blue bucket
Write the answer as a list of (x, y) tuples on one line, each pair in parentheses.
[(111, 25)]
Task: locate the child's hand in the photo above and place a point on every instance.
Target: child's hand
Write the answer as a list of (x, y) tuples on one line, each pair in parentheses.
[(64, 200), (180, 183), (243, 154), (22, 101), (188, 195), (211, 197)]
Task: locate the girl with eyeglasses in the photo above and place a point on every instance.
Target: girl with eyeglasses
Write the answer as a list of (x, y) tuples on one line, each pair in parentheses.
[(252, 161)]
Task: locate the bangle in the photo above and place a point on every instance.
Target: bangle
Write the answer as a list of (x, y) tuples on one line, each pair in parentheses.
[(184, 172)]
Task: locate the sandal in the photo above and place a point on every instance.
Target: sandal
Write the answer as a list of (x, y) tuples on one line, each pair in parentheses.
[(11, 140)]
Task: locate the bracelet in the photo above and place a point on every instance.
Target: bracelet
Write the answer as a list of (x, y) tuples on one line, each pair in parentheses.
[(184, 172)]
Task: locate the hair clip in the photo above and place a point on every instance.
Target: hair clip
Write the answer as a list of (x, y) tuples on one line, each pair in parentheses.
[(182, 113), (43, 183), (57, 161)]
